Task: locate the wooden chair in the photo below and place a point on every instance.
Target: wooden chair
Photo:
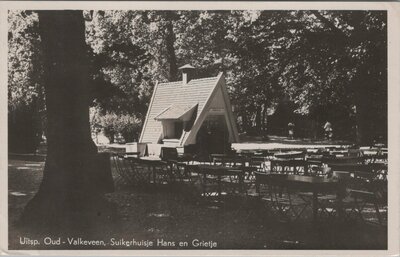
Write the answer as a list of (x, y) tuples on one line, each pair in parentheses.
[(258, 163), (118, 161), (279, 197), (223, 160), (359, 172), (297, 167), (380, 170), (181, 172), (209, 184), (267, 154), (161, 171), (359, 202), (131, 171), (360, 198), (315, 165)]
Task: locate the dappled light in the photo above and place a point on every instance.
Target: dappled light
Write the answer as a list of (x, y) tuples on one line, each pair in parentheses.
[(198, 129)]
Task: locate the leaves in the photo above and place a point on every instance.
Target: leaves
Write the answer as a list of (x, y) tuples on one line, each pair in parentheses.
[(322, 62), (24, 59)]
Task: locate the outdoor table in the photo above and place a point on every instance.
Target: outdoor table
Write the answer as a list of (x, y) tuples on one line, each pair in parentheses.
[(185, 157), (220, 156), (246, 152), (161, 171), (356, 170), (370, 152), (343, 159), (289, 155), (315, 157), (313, 150), (345, 153), (219, 172), (233, 159), (349, 166), (374, 154), (316, 185), (266, 153)]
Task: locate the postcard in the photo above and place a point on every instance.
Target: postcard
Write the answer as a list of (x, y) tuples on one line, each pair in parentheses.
[(199, 128)]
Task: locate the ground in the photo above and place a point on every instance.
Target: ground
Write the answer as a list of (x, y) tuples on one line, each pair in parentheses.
[(240, 223)]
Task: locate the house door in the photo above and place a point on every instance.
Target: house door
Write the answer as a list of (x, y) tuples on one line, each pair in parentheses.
[(213, 136)]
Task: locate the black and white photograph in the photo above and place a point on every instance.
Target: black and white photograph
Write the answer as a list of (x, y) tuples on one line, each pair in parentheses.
[(198, 129)]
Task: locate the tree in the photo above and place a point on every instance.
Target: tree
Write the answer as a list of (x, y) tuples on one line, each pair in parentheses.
[(70, 191), (25, 94), (341, 71), (263, 43), (123, 76), (131, 51), (319, 64)]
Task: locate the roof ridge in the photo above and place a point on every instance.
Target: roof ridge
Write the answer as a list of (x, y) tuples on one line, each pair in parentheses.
[(180, 82), (171, 82), (207, 78)]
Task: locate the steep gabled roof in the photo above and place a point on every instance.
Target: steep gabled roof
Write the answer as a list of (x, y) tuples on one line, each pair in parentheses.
[(175, 112), (197, 91)]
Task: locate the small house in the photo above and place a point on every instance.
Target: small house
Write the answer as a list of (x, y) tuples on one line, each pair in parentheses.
[(191, 115)]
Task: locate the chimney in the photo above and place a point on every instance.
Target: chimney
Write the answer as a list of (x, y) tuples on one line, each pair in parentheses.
[(187, 73)]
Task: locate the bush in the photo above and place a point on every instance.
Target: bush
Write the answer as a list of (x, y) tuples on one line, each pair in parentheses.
[(112, 124), (129, 127)]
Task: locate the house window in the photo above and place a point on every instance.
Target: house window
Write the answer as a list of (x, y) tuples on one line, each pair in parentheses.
[(178, 128)]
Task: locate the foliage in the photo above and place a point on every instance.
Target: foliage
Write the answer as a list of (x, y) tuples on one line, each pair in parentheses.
[(25, 94), (113, 124), (129, 127), (24, 59), (340, 73), (315, 65), (129, 54)]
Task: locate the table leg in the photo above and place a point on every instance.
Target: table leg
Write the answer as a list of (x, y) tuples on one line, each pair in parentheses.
[(154, 175), (241, 183), (339, 198), (204, 183), (315, 206), (258, 188), (219, 186)]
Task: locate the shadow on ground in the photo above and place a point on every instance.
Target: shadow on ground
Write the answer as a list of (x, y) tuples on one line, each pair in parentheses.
[(162, 215)]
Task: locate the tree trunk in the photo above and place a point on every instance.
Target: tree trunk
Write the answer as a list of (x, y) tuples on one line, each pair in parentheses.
[(364, 114), (69, 193), (258, 119), (245, 122), (265, 120), (169, 41)]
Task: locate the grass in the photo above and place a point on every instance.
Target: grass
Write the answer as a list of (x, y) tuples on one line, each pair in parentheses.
[(159, 214)]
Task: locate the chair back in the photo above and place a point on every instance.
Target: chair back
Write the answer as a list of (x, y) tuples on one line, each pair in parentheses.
[(257, 162), (289, 166)]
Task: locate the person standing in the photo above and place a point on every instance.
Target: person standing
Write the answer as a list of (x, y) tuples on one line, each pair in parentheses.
[(291, 130), (328, 130)]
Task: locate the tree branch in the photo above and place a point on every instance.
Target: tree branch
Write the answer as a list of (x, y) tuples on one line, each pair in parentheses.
[(328, 23)]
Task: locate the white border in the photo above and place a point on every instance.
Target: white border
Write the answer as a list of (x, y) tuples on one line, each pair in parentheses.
[(393, 9)]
